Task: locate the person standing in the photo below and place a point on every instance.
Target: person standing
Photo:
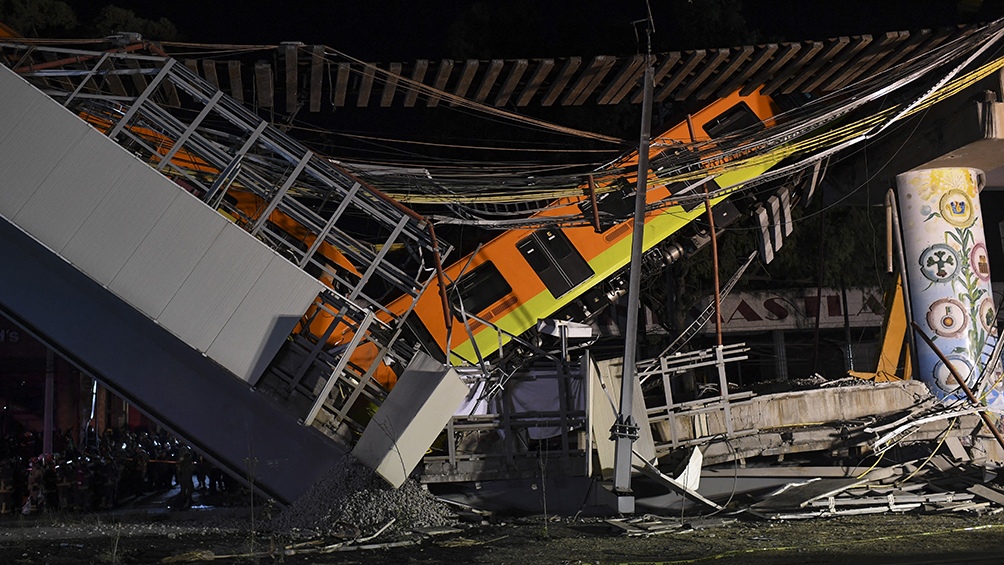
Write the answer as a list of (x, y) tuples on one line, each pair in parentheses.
[(185, 470)]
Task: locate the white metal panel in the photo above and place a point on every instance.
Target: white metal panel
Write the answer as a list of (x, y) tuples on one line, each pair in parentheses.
[(266, 316), (131, 229), (215, 288), (187, 393), (22, 102), (71, 191), (113, 232), (34, 133), (166, 257), (410, 419)]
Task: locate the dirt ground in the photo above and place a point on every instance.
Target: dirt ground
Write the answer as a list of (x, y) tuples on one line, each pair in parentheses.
[(194, 537)]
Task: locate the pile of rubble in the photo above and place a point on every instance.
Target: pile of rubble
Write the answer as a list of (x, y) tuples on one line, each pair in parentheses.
[(941, 486), (351, 502)]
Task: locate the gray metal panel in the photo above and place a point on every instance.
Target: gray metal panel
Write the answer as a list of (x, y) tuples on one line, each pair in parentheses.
[(114, 231), (72, 190), (410, 418), (215, 288), (249, 341), (189, 394), (134, 231), (168, 254), (27, 145), (23, 103)]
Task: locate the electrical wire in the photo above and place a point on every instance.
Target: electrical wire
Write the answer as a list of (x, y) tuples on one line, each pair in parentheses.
[(934, 451), (462, 102)]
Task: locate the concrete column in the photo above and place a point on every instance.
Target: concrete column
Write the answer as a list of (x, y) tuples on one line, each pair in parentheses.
[(101, 410), (68, 412), (48, 409), (949, 275), (780, 356)]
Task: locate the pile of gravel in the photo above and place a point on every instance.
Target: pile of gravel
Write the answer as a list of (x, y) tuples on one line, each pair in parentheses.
[(352, 496)]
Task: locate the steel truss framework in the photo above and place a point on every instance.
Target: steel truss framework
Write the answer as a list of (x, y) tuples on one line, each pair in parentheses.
[(185, 127), (500, 437), (214, 147)]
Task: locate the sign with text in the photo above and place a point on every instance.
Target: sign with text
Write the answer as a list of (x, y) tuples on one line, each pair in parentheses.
[(15, 342), (797, 309)]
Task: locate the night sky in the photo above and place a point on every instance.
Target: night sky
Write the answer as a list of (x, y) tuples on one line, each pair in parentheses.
[(384, 30)]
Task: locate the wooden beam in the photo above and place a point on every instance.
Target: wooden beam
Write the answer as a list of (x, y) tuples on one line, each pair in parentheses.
[(571, 65), (794, 68), (907, 45), (544, 67), (740, 56), (763, 55), (572, 95), (589, 80), (466, 77), (341, 85), (417, 75), (263, 83), (366, 86), (115, 85), (170, 93), (290, 61), (660, 72), (209, 70), (488, 81), (390, 85), (192, 65), (618, 88), (786, 52), (720, 56), (834, 65), (677, 77), (813, 67), (516, 71), (869, 57), (138, 80), (236, 83), (114, 81), (65, 83), (442, 78), (316, 76)]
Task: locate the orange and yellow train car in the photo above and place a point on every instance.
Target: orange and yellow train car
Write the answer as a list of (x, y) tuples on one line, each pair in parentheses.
[(524, 275)]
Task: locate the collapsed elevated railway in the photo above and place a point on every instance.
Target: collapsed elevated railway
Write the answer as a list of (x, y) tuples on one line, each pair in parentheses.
[(268, 303)]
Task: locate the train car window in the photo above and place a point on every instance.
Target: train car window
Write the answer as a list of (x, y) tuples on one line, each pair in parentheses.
[(479, 289), (683, 189), (675, 161), (735, 118), (421, 335), (558, 264), (614, 207)]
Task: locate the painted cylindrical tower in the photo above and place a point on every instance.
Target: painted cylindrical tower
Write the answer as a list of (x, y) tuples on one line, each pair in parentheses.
[(948, 272)]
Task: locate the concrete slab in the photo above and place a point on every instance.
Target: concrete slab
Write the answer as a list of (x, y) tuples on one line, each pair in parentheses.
[(409, 420)]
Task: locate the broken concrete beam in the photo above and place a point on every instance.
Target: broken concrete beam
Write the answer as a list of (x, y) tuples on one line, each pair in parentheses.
[(790, 409), (985, 492), (606, 374), (409, 420)]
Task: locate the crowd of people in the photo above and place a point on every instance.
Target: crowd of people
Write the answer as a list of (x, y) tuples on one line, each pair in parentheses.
[(100, 472)]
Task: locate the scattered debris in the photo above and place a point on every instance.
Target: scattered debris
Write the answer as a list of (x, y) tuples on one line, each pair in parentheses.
[(350, 496), (465, 542), (910, 486), (206, 555), (651, 525)]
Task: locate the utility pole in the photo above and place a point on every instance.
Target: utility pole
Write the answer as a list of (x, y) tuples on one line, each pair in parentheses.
[(625, 429)]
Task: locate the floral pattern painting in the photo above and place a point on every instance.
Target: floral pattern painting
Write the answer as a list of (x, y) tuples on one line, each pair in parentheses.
[(949, 278)]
